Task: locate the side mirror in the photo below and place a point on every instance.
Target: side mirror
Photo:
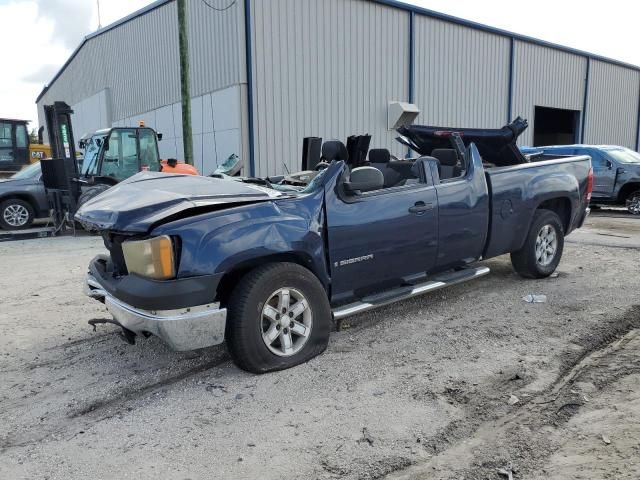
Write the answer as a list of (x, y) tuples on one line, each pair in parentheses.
[(609, 164), (159, 136)]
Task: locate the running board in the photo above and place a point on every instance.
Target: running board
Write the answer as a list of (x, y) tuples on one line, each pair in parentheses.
[(402, 293)]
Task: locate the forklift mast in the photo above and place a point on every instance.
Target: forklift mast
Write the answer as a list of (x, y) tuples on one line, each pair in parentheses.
[(58, 118), (60, 173)]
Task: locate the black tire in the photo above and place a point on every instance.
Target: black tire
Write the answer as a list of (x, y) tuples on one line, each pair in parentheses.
[(87, 195), (633, 203), (16, 214), (526, 261), (246, 321)]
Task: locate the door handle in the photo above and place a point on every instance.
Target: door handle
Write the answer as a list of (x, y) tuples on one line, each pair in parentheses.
[(420, 207)]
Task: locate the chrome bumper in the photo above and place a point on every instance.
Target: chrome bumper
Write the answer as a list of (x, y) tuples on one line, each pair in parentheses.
[(183, 329)]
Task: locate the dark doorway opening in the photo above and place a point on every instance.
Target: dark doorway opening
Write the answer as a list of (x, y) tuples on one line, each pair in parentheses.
[(555, 126)]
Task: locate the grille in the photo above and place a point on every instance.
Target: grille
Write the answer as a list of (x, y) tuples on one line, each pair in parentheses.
[(113, 242)]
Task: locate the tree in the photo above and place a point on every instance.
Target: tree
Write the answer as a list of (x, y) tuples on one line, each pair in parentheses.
[(33, 136)]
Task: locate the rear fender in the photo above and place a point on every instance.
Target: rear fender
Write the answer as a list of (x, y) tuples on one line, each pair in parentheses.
[(562, 187)]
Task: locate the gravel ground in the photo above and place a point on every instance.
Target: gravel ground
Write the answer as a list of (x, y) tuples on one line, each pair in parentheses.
[(455, 384)]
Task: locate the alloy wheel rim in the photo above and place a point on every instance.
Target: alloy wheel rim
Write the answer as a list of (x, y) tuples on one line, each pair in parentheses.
[(16, 215), (633, 204), (286, 321), (546, 245)]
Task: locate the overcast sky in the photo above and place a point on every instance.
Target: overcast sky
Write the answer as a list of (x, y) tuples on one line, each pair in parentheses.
[(39, 35)]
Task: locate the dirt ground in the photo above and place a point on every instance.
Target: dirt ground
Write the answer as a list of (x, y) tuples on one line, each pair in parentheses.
[(457, 384)]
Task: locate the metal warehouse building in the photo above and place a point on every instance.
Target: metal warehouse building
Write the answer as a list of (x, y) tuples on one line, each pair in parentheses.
[(266, 73)]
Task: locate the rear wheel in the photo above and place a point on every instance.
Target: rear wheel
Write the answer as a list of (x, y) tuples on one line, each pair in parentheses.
[(542, 249), (16, 214), (278, 317), (633, 203)]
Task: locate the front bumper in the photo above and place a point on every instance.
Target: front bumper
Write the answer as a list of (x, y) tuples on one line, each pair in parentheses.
[(182, 329)]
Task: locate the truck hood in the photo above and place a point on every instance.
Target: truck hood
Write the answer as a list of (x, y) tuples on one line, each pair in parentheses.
[(151, 198)]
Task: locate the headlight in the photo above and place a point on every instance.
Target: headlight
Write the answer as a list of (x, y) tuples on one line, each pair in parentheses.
[(151, 258)]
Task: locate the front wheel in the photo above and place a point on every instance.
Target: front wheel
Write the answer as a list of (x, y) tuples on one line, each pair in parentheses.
[(542, 249), (278, 317), (633, 203), (16, 214)]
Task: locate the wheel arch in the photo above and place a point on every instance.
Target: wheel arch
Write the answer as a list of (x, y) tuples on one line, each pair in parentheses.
[(561, 206), (626, 190), (24, 197), (232, 277)]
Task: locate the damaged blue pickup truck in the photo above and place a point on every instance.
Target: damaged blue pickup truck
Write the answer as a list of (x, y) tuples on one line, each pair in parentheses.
[(268, 264)]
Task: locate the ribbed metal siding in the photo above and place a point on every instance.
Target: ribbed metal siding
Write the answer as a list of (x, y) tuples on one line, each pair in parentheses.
[(547, 78), (461, 75), (144, 57), (216, 45), (324, 68), (138, 60), (612, 108)]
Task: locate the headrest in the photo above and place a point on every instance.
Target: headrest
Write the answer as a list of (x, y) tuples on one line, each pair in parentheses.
[(379, 155), (446, 156), (365, 179), (334, 150)]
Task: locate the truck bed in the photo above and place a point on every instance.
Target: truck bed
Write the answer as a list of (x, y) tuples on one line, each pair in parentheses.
[(517, 190)]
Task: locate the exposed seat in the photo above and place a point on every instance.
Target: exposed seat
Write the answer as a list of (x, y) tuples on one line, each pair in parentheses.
[(396, 172), (364, 179), (380, 158), (334, 150), (403, 170), (449, 164)]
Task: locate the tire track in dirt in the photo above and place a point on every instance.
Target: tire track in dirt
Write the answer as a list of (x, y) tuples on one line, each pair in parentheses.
[(97, 411), (489, 440)]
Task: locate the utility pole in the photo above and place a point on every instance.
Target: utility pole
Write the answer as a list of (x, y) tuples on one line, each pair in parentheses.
[(183, 41)]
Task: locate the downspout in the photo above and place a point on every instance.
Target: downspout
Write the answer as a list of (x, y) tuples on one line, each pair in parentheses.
[(511, 69), (638, 127), (412, 16), (249, 63), (585, 101)]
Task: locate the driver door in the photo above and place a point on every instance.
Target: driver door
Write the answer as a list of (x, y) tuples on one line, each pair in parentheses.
[(380, 239), (604, 174)]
